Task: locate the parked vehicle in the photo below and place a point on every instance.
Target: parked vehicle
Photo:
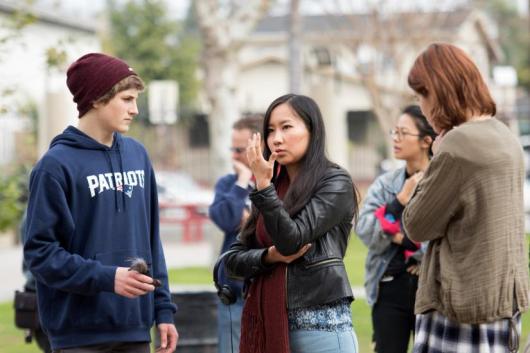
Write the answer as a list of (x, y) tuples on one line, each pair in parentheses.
[(183, 206)]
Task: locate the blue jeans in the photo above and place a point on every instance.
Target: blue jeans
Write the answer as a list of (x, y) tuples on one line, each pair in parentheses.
[(306, 341), (229, 315)]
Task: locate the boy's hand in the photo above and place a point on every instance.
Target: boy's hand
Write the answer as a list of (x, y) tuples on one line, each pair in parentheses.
[(168, 338), (132, 284)]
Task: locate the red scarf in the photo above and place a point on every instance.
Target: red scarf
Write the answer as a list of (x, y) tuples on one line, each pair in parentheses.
[(264, 323)]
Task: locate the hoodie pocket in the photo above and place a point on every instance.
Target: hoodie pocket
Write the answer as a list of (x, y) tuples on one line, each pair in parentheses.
[(110, 310)]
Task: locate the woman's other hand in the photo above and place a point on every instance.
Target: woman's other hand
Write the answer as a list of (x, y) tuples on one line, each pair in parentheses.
[(414, 270), (273, 256)]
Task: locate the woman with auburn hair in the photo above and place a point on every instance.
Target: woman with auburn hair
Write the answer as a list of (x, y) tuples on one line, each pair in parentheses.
[(473, 281)]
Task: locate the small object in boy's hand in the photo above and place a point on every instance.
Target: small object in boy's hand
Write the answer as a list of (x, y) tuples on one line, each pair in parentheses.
[(140, 265)]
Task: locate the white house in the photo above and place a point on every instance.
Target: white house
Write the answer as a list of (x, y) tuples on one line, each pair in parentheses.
[(27, 78)]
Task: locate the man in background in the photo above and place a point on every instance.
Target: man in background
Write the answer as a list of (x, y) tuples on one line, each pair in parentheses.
[(229, 211)]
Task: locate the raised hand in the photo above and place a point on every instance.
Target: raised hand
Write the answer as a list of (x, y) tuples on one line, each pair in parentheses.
[(398, 238), (261, 168), (244, 174), (408, 188), (437, 141)]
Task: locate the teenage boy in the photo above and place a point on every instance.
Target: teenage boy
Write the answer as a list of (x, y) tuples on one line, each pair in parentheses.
[(229, 210), (93, 208)]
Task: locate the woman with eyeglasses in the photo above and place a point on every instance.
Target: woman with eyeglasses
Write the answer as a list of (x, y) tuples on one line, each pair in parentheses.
[(391, 271)]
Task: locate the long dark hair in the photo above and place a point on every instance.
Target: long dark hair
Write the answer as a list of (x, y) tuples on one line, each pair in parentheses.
[(423, 126), (313, 164)]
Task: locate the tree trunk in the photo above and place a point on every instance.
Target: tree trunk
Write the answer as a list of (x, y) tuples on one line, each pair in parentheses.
[(295, 43), (223, 33), (221, 92)]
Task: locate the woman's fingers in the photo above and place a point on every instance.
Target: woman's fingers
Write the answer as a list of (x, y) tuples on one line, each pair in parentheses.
[(255, 151), (303, 249), (251, 151), (299, 254), (258, 144), (272, 159)]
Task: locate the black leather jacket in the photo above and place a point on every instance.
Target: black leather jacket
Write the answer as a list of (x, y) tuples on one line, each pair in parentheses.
[(319, 276)]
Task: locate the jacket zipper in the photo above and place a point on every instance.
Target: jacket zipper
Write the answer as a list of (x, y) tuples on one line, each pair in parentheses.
[(323, 262)]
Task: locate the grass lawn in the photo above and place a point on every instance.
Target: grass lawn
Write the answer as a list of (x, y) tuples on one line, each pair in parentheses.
[(190, 275), (354, 262), (12, 339)]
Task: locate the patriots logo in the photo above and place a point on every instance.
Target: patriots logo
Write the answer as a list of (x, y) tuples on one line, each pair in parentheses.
[(127, 189)]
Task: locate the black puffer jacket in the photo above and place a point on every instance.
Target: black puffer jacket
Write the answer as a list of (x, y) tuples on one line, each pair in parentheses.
[(319, 276)]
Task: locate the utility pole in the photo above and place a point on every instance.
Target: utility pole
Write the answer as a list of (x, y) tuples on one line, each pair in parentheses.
[(295, 44)]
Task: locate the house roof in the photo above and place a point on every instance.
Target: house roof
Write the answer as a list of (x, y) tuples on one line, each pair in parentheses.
[(446, 21), (10, 7), (442, 26)]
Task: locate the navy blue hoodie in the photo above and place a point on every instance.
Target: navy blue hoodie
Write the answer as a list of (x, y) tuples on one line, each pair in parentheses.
[(91, 209)]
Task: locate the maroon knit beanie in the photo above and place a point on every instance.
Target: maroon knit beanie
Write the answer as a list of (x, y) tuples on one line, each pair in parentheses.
[(92, 76)]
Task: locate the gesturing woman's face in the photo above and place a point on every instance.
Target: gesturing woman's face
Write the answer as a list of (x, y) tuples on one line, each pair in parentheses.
[(287, 135)]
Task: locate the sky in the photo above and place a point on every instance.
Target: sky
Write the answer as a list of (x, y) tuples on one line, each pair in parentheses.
[(88, 9)]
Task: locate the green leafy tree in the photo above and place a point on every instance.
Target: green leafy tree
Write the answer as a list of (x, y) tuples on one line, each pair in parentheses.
[(12, 199), (157, 47), (514, 36)]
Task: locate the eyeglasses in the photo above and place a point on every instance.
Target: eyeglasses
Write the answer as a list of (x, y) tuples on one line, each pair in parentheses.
[(401, 134), (238, 150)]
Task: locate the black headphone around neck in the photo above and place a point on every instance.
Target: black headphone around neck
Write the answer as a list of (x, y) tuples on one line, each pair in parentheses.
[(224, 292)]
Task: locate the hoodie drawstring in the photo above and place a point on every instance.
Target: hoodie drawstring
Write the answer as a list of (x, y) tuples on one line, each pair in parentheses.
[(109, 160), (121, 171)]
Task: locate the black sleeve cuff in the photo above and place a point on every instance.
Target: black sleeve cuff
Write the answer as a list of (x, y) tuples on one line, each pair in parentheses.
[(395, 208)]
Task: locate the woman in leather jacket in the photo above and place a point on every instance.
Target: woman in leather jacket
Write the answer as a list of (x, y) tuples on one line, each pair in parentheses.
[(391, 270), (292, 248)]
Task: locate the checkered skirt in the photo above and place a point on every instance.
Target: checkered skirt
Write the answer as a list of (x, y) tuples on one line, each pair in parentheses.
[(435, 333)]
